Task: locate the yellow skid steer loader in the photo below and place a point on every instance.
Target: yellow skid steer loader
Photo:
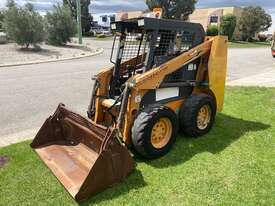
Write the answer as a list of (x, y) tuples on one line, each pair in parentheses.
[(167, 75)]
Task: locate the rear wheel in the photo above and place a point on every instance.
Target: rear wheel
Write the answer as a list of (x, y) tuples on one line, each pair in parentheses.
[(154, 131), (197, 115)]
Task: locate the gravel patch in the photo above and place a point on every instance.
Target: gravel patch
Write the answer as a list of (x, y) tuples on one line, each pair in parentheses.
[(11, 53)]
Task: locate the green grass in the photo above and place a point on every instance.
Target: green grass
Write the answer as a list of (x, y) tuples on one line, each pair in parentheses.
[(233, 165), (242, 44)]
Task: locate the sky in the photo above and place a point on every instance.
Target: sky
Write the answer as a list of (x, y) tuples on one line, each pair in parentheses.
[(106, 6)]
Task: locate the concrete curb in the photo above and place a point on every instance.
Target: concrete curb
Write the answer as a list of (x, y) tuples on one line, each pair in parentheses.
[(240, 84), (233, 84), (18, 137), (97, 52), (265, 79)]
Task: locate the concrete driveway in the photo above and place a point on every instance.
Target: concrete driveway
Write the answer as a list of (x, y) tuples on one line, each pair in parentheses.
[(251, 67), (29, 94)]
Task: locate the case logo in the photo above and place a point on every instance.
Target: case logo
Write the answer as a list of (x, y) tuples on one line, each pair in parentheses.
[(192, 67)]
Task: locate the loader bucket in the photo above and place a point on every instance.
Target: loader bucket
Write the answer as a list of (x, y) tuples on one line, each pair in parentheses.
[(84, 156)]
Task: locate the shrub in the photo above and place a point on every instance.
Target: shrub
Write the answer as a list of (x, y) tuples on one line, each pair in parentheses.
[(101, 36), (60, 26), (212, 30), (90, 34), (24, 25), (254, 19), (228, 25), (1, 20)]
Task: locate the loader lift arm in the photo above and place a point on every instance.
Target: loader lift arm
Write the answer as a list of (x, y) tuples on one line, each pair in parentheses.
[(153, 78)]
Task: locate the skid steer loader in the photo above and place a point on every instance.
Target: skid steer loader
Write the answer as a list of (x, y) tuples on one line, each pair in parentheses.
[(167, 75)]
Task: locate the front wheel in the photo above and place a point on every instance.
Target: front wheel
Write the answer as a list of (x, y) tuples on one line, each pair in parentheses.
[(197, 115), (154, 131)]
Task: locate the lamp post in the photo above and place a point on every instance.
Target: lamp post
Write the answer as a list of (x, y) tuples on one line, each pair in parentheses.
[(79, 27)]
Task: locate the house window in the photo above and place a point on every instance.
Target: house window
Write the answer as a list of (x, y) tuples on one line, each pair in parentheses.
[(112, 18), (214, 19), (104, 18)]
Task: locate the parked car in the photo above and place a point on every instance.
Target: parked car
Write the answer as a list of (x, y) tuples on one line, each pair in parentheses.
[(95, 31), (106, 32), (262, 37), (3, 38)]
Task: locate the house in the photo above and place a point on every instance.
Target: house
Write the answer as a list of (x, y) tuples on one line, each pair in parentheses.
[(128, 15), (204, 16), (103, 20), (212, 16)]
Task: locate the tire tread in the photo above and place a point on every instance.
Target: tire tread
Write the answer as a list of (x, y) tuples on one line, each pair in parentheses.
[(140, 129)]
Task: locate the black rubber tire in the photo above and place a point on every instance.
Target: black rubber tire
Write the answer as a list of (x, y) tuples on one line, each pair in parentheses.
[(189, 111), (142, 128)]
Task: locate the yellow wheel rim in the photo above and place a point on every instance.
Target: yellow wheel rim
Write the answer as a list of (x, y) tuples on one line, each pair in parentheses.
[(204, 117), (161, 133)]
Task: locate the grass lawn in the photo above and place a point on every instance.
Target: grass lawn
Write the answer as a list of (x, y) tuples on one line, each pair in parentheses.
[(233, 165), (242, 44)]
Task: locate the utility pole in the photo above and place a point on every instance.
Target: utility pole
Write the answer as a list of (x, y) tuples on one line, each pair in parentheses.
[(79, 27)]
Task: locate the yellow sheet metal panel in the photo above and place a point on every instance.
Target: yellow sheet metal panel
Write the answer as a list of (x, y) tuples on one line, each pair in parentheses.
[(104, 79), (217, 66), (175, 105), (132, 110)]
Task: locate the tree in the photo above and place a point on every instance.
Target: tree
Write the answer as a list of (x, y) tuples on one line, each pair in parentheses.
[(212, 30), (24, 25), (173, 9), (253, 20), (86, 17), (228, 25), (60, 25), (10, 3), (1, 19)]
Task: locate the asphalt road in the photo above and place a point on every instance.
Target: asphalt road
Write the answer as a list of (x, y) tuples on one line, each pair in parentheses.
[(29, 94)]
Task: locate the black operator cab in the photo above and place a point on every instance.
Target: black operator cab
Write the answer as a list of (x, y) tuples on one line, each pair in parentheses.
[(144, 43)]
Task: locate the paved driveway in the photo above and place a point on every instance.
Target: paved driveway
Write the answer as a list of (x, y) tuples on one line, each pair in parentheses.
[(30, 93), (251, 67)]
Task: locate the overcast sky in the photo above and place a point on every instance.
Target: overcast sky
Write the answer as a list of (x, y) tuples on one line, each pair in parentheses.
[(102, 6)]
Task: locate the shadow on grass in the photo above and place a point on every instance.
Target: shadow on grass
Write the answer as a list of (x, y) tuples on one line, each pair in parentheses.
[(225, 131), (133, 181)]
